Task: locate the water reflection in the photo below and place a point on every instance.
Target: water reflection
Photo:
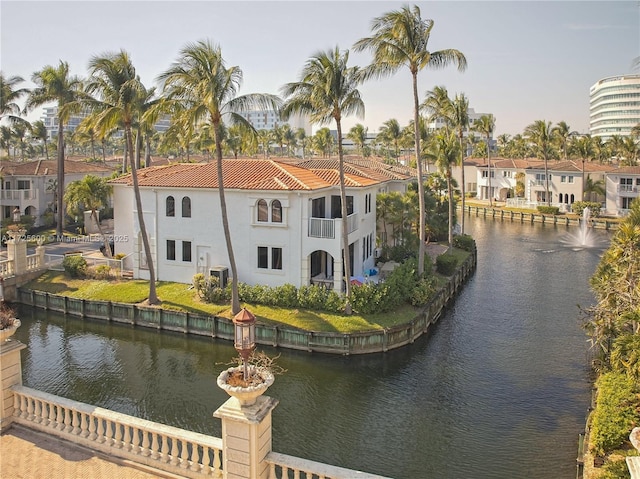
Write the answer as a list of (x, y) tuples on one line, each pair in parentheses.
[(499, 389)]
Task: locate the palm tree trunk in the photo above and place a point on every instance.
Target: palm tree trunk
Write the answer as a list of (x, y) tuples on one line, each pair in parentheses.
[(107, 246), (345, 232), (462, 179), (546, 182), (489, 171), (450, 192), (46, 150), (235, 299), (60, 176), (153, 296), (416, 120), (147, 151)]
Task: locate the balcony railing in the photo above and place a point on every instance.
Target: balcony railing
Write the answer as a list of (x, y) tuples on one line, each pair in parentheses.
[(627, 189), (326, 227), (18, 194)]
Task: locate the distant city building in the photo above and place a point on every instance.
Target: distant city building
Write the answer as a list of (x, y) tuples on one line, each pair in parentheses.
[(50, 120), (614, 106), (269, 119)]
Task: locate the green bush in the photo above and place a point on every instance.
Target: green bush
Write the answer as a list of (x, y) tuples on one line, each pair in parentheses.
[(615, 414), (401, 282), (102, 271), (209, 290), (423, 292), (579, 206), (548, 210), (446, 264), (75, 266), (371, 298), (464, 242), (320, 299)]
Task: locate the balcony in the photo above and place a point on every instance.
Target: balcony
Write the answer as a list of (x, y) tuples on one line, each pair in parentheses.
[(329, 228), (18, 195), (628, 189)]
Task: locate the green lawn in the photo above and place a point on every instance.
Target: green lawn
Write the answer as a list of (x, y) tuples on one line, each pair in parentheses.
[(181, 297)]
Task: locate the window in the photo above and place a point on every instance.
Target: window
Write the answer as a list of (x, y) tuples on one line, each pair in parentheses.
[(367, 203), (263, 211), (171, 250), (563, 179), (186, 251), (263, 257), (24, 184), (276, 258), (571, 179), (485, 174), (276, 211), (171, 206), (625, 203), (186, 208)]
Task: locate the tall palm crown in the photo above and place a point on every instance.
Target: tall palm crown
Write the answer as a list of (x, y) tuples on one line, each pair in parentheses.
[(56, 84), (328, 90), (392, 132), (561, 133), (460, 121), (206, 90), (10, 95), (400, 39), (540, 134), (485, 125), (117, 91)]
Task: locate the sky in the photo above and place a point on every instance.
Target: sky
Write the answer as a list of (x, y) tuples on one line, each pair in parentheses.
[(527, 61)]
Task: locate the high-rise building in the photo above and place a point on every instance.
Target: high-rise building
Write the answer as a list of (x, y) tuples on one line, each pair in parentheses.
[(614, 106), (269, 119)]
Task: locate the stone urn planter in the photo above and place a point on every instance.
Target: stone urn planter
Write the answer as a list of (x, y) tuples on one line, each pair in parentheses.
[(8, 322), (246, 392), (7, 332)]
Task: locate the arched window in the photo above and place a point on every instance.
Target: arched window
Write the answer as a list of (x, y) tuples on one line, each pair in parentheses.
[(171, 206), (276, 211), (186, 207), (263, 211), (573, 198)]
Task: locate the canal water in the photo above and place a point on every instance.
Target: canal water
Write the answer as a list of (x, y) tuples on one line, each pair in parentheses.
[(498, 389)]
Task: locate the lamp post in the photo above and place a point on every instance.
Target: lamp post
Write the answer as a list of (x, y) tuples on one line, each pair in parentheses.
[(244, 334), (16, 215)]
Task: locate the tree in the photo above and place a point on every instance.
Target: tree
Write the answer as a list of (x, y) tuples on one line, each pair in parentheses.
[(485, 125), (444, 150), (460, 121), (200, 81), (561, 133), (90, 193), (117, 91), (9, 97), (539, 134), (583, 147), (19, 134), (391, 131), (56, 84), (358, 134), (328, 90), (39, 132), (400, 38)]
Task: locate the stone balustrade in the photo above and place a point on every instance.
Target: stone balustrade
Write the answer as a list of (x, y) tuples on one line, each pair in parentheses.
[(170, 449), (6, 268), (282, 466)]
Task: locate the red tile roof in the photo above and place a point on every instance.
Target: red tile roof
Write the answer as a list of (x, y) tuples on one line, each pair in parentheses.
[(50, 167)]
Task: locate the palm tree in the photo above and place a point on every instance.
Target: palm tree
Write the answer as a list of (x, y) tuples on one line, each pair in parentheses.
[(358, 134), (438, 105), (5, 138), (301, 137), (39, 132), (9, 96), (400, 38), (92, 193), (443, 149), (561, 133), (328, 90), (583, 147), (56, 84), (540, 135), (485, 125), (19, 133), (200, 81), (392, 132), (460, 121), (117, 91)]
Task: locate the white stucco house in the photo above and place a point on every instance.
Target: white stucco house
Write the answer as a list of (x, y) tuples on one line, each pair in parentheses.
[(623, 187), (284, 220), (27, 185)]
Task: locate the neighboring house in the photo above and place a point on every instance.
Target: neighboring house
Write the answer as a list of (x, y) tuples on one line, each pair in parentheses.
[(29, 185), (622, 185), (284, 220), (498, 182)]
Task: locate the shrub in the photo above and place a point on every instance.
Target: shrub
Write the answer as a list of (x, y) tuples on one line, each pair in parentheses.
[(102, 271), (320, 299), (401, 282), (446, 264), (423, 292), (464, 242), (209, 290), (286, 296), (615, 414), (75, 266), (548, 210), (371, 298), (579, 206)]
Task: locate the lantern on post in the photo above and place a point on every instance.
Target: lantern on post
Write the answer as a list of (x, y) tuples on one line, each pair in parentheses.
[(16, 215), (244, 334)]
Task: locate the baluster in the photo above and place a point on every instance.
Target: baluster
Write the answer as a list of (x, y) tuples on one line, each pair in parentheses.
[(175, 459), (117, 442), (76, 422), (84, 425), (206, 460), (37, 411), (155, 445), (165, 449), (52, 415), (296, 474), (217, 462), (108, 434), (272, 471), (184, 455), (30, 409), (92, 427), (60, 417), (195, 457), (135, 440), (126, 441), (145, 443), (100, 430), (67, 420)]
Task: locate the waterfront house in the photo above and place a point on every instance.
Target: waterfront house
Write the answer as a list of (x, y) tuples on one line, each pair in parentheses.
[(29, 185), (284, 220), (622, 185)]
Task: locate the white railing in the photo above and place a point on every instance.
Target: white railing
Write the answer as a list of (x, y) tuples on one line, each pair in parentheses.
[(352, 223), (167, 448), (321, 228), (6, 268), (54, 261), (18, 194), (282, 465), (627, 188), (33, 262)]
